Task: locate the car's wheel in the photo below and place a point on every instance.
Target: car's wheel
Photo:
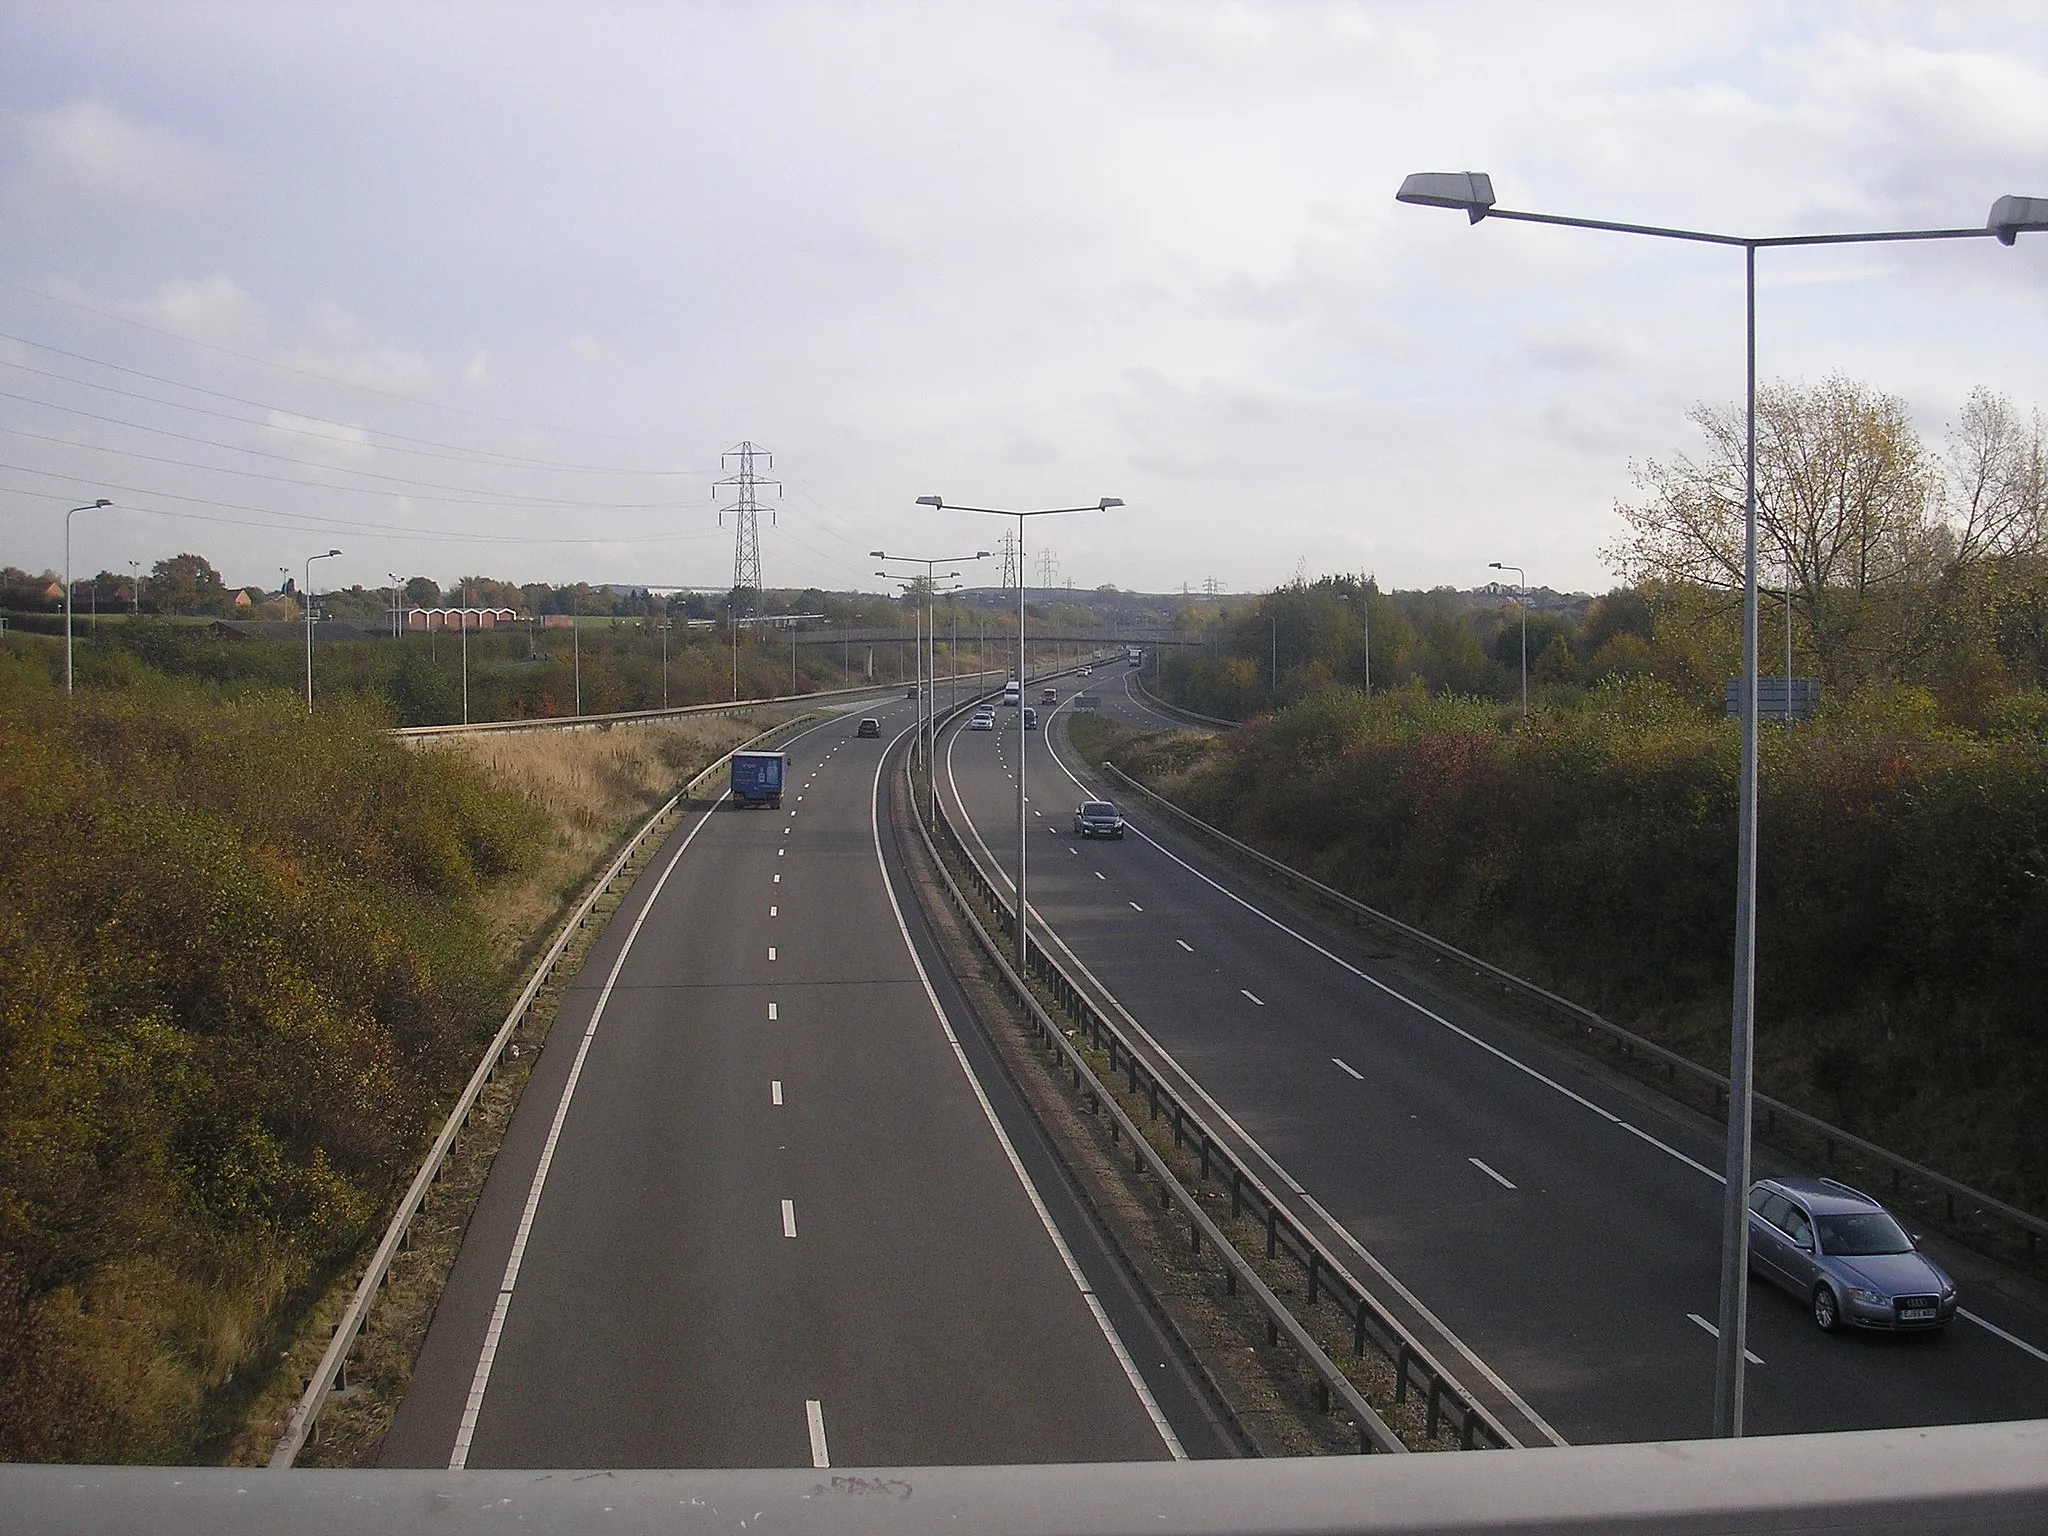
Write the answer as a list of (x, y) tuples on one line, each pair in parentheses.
[(1827, 1312)]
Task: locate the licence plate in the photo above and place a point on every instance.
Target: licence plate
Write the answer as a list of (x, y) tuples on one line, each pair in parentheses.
[(1916, 1314)]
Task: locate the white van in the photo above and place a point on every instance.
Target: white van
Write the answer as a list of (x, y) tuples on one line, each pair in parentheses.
[(1013, 693)]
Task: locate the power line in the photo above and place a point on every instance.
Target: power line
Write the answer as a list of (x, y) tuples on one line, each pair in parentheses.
[(307, 373), (456, 452)]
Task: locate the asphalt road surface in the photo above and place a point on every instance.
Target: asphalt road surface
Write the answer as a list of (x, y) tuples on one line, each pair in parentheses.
[(1549, 1230), (754, 1208)]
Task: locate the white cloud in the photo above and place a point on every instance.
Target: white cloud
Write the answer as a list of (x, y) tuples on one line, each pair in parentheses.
[(216, 310), (88, 155)]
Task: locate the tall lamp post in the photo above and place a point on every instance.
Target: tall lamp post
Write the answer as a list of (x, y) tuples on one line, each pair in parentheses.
[(90, 506), (1471, 192), (1522, 601), (928, 692), (939, 503), (462, 618), (306, 597)]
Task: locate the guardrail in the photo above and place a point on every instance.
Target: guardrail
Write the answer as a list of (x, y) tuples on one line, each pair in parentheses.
[(2032, 1229), (653, 716), (1414, 1368), (1153, 699), (333, 1367)]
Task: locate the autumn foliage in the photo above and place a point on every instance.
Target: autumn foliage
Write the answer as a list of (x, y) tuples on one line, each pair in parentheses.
[(240, 962)]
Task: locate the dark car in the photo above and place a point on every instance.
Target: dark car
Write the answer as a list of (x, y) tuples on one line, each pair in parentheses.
[(1845, 1256), (1030, 718), (1097, 818), (869, 727)]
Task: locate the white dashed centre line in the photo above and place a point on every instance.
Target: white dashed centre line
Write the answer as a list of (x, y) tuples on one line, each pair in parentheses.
[(1136, 908), (772, 912), (1253, 996), (771, 1012), (1346, 1066), (775, 1092), (771, 951), (1100, 875), (1716, 1333), (814, 1415), (1184, 944), (778, 879), (789, 1218), (1497, 1178)]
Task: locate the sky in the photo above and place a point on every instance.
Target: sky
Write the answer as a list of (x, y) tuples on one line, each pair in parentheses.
[(470, 289)]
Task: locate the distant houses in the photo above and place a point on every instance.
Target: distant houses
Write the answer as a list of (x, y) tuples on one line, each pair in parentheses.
[(421, 621)]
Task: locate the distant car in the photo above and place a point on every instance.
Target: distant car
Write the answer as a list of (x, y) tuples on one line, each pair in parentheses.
[(910, 692), (1098, 818), (983, 720), (1845, 1256), (869, 727), (1049, 696), (1087, 671), (1030, 718)]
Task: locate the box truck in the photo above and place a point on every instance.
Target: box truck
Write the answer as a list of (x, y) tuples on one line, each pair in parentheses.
[(757, 778)]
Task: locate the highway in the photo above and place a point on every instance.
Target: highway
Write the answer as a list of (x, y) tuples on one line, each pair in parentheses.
[(769, 1201), (1548, 1229)]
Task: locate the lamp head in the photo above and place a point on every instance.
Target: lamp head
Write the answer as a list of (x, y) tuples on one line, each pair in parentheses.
[(1495, 565), (103, 502), (1109, 501), (981, 554), (1470, 190), (876, 554), (2009, 216), (931, 501)]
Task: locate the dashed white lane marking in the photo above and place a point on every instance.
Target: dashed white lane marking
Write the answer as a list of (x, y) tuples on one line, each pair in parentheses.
[(1136, 908), (775, 1092), (771, 951), (771, 1010), (1497, 1178), (1716, 1333), (789, 1218), (1347, 1067), (480, 1382), (772, 912), (785, 830), (814, 1416), (1075, 852), (1100, 875), (778, 879), (780, 852), (1253, 996)]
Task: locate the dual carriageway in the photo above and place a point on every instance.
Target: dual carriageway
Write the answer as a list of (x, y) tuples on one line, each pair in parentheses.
[(769, 1200)]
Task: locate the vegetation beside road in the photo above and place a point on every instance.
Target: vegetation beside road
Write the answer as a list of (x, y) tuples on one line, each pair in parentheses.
[(247, 956), (1903, 920)]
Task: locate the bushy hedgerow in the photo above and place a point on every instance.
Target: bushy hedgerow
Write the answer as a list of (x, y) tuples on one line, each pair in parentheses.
[(239, 965), (1903, 881)]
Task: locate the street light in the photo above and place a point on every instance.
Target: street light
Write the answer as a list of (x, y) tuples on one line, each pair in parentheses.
[(1472, 193), (928, 691), (1522, 595), (939, 503), (90, 506), (462, 618), (306, 597)]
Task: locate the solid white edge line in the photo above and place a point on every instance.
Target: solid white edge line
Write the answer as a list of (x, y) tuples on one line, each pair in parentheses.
[(1252, 1143), (480, 1382), (814, 1420), (1499, 1178), (1111, 1337), (1990, 1327)]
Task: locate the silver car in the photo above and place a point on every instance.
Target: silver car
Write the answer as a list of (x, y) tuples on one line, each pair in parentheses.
[(1845, 1256)]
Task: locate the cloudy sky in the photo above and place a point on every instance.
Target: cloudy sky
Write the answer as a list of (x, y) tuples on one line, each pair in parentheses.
[(490, 289)]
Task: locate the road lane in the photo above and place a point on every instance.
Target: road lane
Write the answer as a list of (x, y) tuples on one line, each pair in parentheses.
[(1575, 1285), (722, 1276)]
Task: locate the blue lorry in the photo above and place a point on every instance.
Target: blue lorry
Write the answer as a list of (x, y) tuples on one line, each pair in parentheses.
[(757, 778)]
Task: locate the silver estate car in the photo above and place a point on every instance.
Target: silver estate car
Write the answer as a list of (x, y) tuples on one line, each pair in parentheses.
[(1845, 1256)]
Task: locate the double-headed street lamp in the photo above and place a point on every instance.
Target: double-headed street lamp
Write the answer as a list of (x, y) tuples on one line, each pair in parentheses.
[(306, 597), (928, 691), (939, 503), (90, 506), (1472, 193), (1522, 593)]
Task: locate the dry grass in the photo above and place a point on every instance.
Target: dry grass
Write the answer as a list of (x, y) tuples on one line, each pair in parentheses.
[(592, 785)]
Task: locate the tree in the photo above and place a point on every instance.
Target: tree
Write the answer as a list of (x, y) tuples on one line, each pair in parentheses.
[(1844, 507), (187, 584), (1993, 488)]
